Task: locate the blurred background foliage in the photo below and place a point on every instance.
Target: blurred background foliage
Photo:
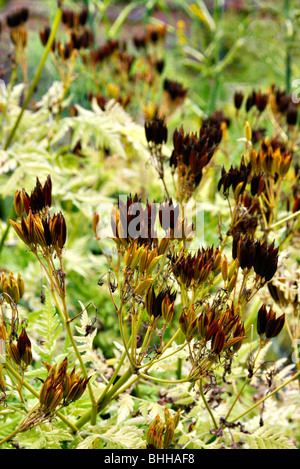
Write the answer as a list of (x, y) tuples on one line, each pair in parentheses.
[(213, 46)]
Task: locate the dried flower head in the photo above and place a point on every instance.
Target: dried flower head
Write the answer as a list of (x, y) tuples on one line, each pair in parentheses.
[(74, 19), (260, 256), (156, 131), (160, 435), (11, 288), (61, 387), (217, 330), (82, 40), (134, 220), (273, 158), (235, 178), (40, 199), (194, 270)]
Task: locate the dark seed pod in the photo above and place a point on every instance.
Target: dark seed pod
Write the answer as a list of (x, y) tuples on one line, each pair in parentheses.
[(238, 99)]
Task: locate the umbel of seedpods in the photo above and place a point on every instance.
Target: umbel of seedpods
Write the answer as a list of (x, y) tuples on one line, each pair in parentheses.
[(268, 326), (191, 153), (260, 256), (59, 389), (21, 352)]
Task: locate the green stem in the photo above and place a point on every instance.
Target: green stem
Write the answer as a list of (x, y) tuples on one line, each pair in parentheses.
[(28, 97), (36, 78), (65, 316), (133, 365), (162, 380), (63, 312), (284, 220), (206, 403), (113, 377), (288, 57)]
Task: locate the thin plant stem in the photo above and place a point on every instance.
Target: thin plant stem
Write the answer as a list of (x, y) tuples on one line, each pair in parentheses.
[(206, 403), (64, 313), (247, 380), (123, 383), (288, 57), (263, 399), (284, 220)]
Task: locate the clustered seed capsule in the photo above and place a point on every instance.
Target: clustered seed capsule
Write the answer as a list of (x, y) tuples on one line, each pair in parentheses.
[(48, 234), (73, 19), (21, 352), (272, 158), (80, 36), (156, 131), (235, 178), (284, 106), (174, 89), (160, 304), (61, 387), (224, 330), (256, 99), (44, 36), (134, 220), (40, 199), (268, 324)]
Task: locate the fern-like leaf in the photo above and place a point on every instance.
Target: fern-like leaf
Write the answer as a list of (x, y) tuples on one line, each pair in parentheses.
[(49, 329)]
